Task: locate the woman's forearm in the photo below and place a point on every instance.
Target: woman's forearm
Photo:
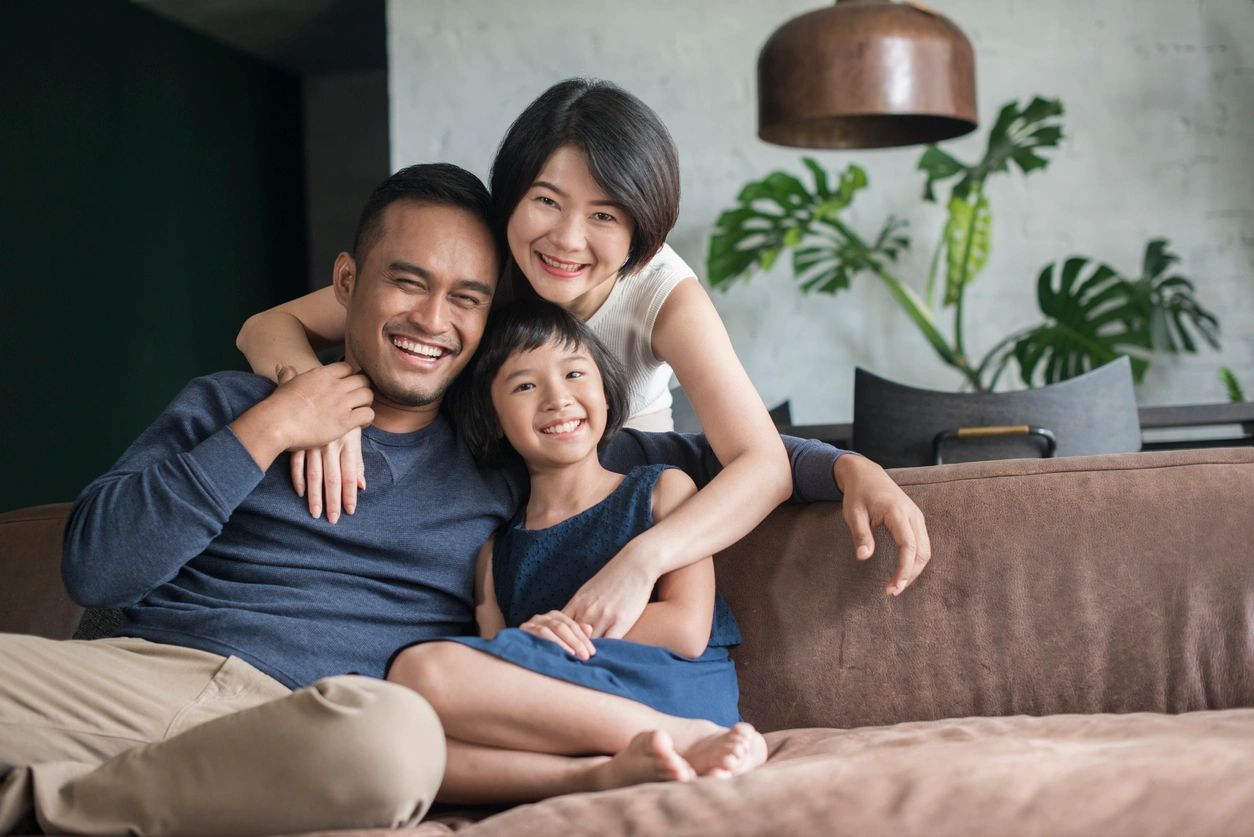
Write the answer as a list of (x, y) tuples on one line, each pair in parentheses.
[(276, 338), (721, 513)]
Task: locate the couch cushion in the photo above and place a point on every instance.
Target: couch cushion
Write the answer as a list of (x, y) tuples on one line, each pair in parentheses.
[(1138, 774)]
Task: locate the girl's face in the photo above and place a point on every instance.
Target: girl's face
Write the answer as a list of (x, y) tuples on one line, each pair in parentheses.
[(550, 404), (567, 236)]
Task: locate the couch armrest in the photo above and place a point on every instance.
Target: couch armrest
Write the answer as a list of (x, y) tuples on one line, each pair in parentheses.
[(1113, 583), (32, 598)]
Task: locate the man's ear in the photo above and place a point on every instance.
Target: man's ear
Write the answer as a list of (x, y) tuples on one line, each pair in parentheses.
[(344, 278)]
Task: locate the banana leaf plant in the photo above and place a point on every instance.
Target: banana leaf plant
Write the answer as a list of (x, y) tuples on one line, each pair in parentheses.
[(1092, 312)]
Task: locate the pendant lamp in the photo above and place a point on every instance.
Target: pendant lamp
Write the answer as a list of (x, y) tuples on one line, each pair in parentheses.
[(866, 74)]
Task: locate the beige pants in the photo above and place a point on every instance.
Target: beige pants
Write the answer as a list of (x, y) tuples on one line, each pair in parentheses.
[(127, 736)]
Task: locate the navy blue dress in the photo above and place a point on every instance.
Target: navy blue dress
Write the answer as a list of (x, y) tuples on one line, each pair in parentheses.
[(538, 570)]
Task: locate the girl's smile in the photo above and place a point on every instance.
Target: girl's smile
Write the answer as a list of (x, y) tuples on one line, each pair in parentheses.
[(550, 404), (569, 238)]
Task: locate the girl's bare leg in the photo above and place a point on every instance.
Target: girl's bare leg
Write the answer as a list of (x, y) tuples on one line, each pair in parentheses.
[(477, 775), (483, 700)]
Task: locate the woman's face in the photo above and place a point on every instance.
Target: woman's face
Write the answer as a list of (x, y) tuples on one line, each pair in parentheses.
[(550, 404), (567, 236)]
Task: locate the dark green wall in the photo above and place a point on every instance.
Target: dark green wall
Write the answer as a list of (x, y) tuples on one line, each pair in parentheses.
[(151, 197)]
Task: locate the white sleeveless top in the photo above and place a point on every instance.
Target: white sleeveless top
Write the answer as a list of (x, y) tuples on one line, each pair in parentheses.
[(624, 323)]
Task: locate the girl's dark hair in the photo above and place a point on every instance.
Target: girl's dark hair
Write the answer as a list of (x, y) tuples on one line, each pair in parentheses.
[(630, 155), (520, 327)]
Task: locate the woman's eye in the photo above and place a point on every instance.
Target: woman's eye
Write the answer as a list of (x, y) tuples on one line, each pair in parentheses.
[(546, 200), (603, 217)]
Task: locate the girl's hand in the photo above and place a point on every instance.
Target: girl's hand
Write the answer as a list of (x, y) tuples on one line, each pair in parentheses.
[(612, 600), (556, 626), (330, 475)]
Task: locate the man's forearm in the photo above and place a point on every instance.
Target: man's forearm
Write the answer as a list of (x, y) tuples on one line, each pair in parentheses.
[(811, 461), (131, 530)]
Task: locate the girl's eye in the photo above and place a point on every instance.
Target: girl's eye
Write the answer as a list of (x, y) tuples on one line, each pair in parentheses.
[(524, 387), (575, 373)]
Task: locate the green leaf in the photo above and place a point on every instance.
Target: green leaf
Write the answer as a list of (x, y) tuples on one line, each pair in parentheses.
[(778, 213), (1235, 395), (820, 177), (1093, 318), (1174, 316), (939, 166), (968, 235), (1018, 135)]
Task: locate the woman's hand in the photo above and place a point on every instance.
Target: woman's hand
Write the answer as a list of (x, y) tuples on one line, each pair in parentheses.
[(557, 627), (873, 499), (331, 475), (612, 600)]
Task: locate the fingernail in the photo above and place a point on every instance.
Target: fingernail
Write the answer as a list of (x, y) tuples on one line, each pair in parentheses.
[(332, 517), (349, 509), (864, 551), (316, 511)]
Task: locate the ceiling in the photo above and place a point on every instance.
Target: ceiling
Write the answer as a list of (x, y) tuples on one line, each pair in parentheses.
[(304, 37)]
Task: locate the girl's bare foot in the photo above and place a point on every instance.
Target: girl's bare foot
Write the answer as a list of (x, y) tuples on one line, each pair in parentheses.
[(727, 753), (649, 757)]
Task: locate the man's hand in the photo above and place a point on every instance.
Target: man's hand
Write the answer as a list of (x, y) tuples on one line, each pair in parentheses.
[(612, 600), (556, 626), (334, 471), (309, 410), (873, 499)]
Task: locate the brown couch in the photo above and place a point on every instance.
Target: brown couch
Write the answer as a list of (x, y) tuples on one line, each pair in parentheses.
[(1078, 659)]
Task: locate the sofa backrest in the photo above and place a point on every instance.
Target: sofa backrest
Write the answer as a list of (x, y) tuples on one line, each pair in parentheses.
[(1115, 583), (32, 597)]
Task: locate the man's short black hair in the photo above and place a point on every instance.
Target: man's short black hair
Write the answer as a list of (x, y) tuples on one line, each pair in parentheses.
[(437, 184), (520, 327), (630, 155)]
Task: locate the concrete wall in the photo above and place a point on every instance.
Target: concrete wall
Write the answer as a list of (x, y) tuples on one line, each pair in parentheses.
[(1159, 97)]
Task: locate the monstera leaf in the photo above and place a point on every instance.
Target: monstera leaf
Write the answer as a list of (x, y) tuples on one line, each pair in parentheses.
[(779, 213), (1018, 136), (1169, 306), (1093, 318)]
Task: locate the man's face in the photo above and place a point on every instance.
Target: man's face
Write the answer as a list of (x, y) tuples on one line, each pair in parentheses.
[(417, 306)]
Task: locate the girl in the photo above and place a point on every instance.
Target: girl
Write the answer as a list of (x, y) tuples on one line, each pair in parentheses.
[(534, 706), (586, 187)]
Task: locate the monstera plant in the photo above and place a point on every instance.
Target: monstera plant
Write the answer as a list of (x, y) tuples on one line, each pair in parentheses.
[(1092, 311)]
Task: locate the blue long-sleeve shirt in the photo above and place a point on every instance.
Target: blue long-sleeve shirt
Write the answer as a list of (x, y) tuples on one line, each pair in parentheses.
[(202, 549)]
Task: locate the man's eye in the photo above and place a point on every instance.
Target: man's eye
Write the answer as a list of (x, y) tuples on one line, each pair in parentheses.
[(467, 301)]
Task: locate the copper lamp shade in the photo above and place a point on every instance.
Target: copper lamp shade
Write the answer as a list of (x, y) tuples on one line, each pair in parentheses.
[(866, 74)]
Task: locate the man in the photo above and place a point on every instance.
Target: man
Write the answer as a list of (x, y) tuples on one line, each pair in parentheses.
[(229, 701)]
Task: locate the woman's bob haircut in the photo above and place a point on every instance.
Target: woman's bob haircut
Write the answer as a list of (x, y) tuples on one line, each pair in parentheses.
[(522, 326), (630, 155)]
